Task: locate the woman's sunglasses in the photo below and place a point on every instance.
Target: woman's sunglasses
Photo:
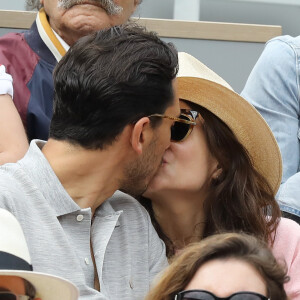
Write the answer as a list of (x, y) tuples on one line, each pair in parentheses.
[(180, 130), (183, 125), (205, 295), (12, 296)]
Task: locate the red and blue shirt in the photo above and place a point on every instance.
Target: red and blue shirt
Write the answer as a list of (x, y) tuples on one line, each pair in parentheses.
[(30, 58)]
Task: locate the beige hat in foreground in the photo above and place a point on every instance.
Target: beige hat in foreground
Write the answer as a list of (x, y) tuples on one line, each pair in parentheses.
[(15, 261), (200, 85)]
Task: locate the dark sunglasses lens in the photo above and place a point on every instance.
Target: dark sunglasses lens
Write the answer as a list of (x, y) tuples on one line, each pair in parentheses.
[(247, 296), (7, 296), (197, 295), (179, 130)]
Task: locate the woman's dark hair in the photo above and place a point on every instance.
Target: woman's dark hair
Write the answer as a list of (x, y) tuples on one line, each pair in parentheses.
[(240, 199), (225, 246)]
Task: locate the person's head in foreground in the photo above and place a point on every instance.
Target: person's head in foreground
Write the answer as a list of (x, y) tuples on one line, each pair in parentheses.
[(219, 175), (17, 280), (72, 19), (115, 94), (224, 266)]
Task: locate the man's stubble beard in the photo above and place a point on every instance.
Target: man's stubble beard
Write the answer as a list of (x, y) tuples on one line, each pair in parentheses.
[(137, 174)]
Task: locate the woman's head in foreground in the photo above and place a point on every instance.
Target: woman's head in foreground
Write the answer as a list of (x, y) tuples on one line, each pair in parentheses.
[(221, 266), (229, 158)]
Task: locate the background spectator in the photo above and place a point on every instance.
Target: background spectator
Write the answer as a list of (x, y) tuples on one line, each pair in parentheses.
[(16, 275), (30, 58), (223, 265), (273, 87)]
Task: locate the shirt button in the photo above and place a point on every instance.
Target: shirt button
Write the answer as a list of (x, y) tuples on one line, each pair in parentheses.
[(131, 284), (87, 262), (79, 218)]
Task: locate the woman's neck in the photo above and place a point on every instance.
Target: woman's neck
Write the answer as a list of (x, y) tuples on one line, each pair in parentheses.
[(181, 217)]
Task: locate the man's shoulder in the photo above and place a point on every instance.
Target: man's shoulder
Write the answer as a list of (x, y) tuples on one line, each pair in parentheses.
[(11, 40), (12, 184), (8, 172), (16, 55)]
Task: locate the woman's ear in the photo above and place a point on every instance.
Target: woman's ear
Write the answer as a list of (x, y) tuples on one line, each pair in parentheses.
[(217, 172)]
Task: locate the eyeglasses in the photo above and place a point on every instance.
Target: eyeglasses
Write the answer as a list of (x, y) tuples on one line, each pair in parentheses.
[(205, 295), (182, 126), (12, 296)]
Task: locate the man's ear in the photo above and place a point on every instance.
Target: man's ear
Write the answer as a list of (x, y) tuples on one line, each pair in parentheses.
[(140, 134)]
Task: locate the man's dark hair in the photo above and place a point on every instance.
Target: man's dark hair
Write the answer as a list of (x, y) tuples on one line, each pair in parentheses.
[(108, 80)]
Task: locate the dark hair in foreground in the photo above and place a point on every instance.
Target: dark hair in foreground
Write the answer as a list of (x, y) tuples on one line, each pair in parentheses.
[(242, 247), (240, 199), (108, 80)]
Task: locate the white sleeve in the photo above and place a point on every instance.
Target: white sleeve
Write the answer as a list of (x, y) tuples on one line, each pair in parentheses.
[(6, 86)]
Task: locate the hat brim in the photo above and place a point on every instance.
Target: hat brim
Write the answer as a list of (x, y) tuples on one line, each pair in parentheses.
[(242, 118), (48, 287)]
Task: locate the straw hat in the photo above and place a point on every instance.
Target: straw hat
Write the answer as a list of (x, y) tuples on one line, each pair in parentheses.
[(15, 261), (200, 85)]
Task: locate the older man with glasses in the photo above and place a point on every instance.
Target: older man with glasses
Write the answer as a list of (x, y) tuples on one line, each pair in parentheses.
[(28, 60)]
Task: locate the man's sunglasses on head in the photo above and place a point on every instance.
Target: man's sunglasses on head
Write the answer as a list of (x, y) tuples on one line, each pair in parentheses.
[(182, 126), (205, 295)]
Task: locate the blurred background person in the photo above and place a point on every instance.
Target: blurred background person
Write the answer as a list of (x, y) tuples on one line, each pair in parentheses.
[(273, 87), (223, 266), (17, 280)]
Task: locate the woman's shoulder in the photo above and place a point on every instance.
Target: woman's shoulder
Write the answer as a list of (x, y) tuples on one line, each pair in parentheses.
[(286, 249), (287, 239), (286, 226)]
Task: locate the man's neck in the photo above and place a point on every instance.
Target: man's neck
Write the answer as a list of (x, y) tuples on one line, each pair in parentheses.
[(88, 176)]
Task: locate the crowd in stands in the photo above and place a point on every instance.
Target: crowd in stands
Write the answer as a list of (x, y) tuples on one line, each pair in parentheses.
[(120, 156)]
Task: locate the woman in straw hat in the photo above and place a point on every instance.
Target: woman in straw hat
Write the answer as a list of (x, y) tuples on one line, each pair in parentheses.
[(17, 280), (221, 174), (231, 265)]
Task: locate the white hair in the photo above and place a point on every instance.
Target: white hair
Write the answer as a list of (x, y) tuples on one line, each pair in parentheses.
[(33, 4)]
